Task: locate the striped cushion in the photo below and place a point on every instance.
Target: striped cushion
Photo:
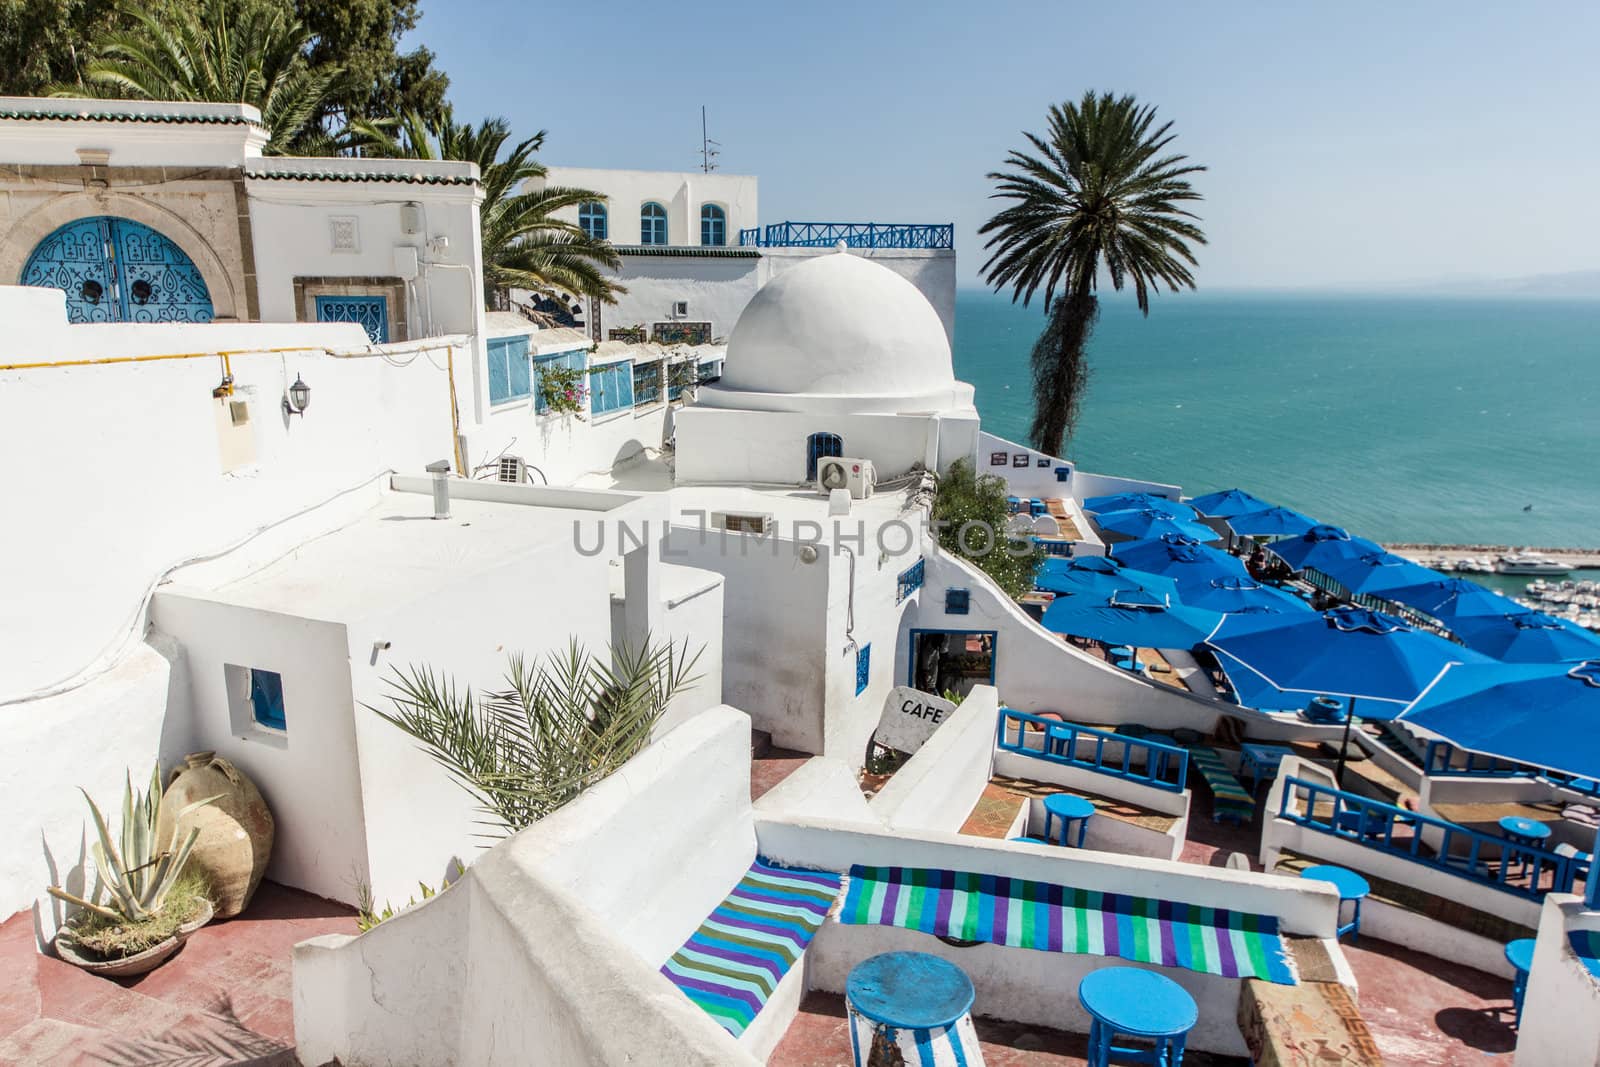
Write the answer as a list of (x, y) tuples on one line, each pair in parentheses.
[(734, 961), (1228, 796)]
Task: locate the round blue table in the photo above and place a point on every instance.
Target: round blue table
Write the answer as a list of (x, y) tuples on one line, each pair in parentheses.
[(1527, 832), (909, 1000), (1351, 887), (1137, 1003), (1069, 809), (1519, 954)]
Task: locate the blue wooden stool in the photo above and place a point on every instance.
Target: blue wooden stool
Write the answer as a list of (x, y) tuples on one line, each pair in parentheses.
[(1519, 954), (1136, 1003), (915, 1003), (1351, 887), (1069, 809)]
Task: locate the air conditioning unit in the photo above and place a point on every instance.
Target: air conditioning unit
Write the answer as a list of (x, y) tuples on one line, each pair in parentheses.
[(512, 469), (839, 472), (680, 309)]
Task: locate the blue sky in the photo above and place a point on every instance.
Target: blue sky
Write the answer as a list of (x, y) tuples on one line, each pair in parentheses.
[(1358, 143)]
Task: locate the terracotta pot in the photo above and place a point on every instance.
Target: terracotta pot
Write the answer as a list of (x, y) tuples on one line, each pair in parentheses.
[(139, 962), (236, 829)]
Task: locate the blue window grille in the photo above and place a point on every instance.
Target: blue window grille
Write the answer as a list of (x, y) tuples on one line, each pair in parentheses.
[(266, 699), (679, 377), (1487, 859), (1148, 763), (611, 387), (819, 445), (560, 361), (713, 225), (863, 667), (592, 220), (646, 383), (853, 234), (117, 270), (652, 224), (509, 375), (910, 581), (371, 313), (957, 601)]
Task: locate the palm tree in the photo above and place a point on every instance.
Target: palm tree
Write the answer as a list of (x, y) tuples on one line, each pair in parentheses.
[(524, 245), (1101, 192), (219, 51)]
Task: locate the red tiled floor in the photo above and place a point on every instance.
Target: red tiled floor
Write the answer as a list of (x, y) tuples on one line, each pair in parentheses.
[(768, 770), (1427, 1012), (226, 994)]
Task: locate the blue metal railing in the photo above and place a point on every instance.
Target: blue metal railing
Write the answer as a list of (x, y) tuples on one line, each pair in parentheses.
[(910, 581), (853, 234), (1459, 851), (1161, 766), (1443, 758)]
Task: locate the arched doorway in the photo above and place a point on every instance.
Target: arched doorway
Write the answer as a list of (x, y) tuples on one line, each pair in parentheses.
[(117, 270)]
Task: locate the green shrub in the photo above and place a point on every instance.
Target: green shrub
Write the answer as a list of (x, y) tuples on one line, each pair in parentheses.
[(971, 518)]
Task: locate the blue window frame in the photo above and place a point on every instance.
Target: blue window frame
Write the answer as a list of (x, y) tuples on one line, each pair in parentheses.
[(819, 445), (592, 220), (646, 383), (863, 667), (916, 635), (957, 601), (371, 313), (611, 387), (910, 581), (509, 375), (652, 224), (713, 225), (266, 699), (681, 376), (559, 361)]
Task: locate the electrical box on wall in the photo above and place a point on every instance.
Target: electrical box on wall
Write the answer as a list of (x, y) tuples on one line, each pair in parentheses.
[(410, 219)]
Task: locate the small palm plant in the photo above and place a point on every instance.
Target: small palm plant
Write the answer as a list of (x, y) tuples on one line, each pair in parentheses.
[(135, 876), (559, 727)]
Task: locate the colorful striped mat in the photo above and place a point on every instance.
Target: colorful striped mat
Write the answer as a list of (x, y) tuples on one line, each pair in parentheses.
[(1054, 918), (1586, 946), (734, 961), (1228, 798)]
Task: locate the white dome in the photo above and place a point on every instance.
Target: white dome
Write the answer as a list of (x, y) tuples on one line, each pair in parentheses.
[(837, 332)]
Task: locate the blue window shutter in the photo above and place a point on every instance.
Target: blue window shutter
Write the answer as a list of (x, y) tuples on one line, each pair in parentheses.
[(499, 379), (517, 367), (266, 699), (863, 667)]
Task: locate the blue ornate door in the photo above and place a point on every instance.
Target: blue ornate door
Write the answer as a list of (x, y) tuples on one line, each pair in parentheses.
[(118, 270)]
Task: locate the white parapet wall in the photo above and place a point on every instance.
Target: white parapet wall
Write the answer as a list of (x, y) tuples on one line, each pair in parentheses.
[(939, 784), (1560, 1025)]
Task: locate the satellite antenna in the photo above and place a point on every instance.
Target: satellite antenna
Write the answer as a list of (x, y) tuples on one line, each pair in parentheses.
[(709, 149)]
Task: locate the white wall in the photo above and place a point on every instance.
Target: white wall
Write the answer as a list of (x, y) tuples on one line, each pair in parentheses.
[(681, 192), (716, 288), (1560, 1024), (1036, 481), (133, 144), (938, 786)]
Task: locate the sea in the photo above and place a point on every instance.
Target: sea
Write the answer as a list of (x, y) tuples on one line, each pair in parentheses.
[(1416, 419)]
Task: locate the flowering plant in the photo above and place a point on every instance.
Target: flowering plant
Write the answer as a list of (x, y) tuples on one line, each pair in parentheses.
[(562, 390)]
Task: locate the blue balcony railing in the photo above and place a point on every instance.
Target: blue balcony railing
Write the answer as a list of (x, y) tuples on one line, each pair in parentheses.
[(853, 234), (1488, 859), (1443, 758), (1151, 763)]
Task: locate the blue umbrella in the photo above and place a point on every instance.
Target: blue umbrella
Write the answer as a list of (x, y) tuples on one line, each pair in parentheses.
[(1270, 522), (1322, 544), (1451, 598), (1544, 715), (1149, 523), (1182, 559), (1527, 637), (1230, 595), (1228, 502), (1144, 626), (1375, 572), (1096, 576), (1283, 661), (1101, 505)]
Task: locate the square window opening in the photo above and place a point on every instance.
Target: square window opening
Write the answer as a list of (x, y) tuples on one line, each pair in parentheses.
[(256, 706)]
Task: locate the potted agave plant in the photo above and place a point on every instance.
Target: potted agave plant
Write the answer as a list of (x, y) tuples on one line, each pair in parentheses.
[(143, 905)]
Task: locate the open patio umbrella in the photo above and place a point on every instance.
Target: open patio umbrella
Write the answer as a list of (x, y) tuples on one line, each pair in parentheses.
[(1270, 522), (1133, 619), (1183, 559), (1527, 637), (1375, 572), (1230, 595), (1544, 715), (1097, 576), (1451, 598), (1101, 505), (1321, 544), (1146, 523), (1226, 503), (1376, 662)]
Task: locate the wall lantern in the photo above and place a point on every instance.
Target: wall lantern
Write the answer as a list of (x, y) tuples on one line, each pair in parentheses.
[(298, 398)]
